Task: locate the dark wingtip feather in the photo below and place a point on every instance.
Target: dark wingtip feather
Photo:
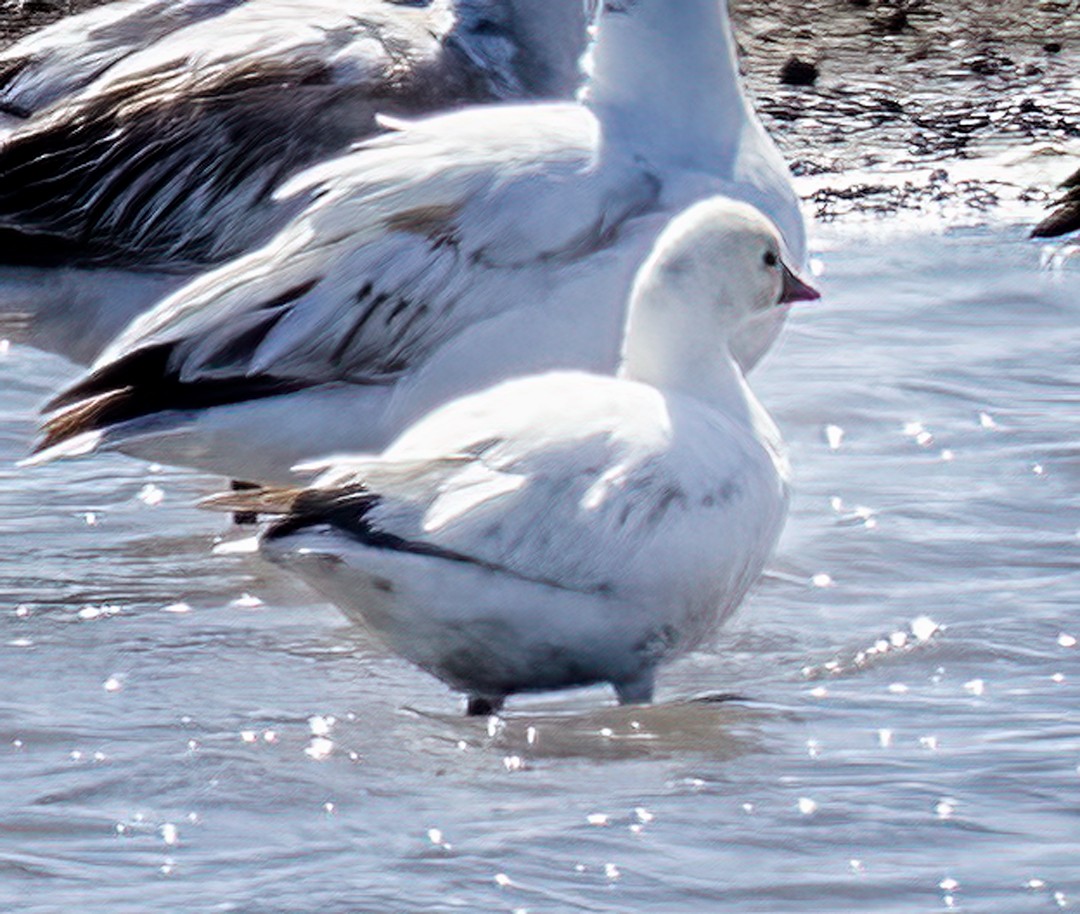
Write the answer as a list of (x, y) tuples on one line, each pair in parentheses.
[(82, 417), (344, 508)]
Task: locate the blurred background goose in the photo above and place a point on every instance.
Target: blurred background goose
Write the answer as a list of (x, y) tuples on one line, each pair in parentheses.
[(566, 528), (146, 138), (457, 251), (1065, 216)]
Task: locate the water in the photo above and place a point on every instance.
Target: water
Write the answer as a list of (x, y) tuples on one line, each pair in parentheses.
[(247, 751)]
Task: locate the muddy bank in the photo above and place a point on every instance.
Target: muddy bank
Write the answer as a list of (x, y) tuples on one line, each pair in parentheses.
[(878, 86), (913, 92)]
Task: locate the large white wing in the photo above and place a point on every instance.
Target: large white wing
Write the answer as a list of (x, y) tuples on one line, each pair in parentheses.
[(399, 251), (563, 478)]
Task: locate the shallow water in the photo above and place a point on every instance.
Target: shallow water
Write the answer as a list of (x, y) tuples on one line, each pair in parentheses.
[(182, 730)]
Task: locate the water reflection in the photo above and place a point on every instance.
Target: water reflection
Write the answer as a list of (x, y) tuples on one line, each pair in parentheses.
[(715, 728), (905, 735)]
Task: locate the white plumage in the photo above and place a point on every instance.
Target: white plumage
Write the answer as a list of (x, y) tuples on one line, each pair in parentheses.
[(440, 258), (568, 528)]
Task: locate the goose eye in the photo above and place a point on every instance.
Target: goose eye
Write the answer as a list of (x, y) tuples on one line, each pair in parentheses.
[(770, 258)]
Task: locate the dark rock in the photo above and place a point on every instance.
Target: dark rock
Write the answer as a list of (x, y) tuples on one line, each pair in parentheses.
[(893, 22), (983, 66), (1052, 47), (798, 72)]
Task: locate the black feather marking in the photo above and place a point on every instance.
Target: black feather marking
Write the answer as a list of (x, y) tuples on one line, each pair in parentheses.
[(94, 185), (290, 295), (142, 384), (347, 510), (354, 331), (1065, 217)]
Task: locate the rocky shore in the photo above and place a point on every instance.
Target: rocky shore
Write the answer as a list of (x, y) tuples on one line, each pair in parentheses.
[(879, 86)]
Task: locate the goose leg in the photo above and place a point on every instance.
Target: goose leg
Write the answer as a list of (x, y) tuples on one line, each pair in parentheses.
[(637, 691), (244, 518)]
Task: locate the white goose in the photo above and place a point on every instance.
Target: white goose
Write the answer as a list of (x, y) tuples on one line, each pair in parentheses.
[(148, 136), (455, 252), (566, 528)]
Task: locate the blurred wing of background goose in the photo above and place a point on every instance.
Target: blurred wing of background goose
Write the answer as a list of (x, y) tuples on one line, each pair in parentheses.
[(1065, 217), (60, 59), (435, 260), (148, 137)]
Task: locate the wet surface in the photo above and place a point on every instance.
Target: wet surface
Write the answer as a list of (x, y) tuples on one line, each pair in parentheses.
[(182, 729)]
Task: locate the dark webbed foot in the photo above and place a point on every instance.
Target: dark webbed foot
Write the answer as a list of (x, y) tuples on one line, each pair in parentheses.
[(484, 705)]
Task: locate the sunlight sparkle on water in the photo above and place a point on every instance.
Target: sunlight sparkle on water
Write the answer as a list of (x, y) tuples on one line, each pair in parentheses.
[(436, 837), (89, 613), (321, 726), (151, 495), (247, 601), (319, 748), (924, 628), (919, 433)]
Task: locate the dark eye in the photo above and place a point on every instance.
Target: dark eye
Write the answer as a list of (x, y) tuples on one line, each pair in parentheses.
[(771, 260)]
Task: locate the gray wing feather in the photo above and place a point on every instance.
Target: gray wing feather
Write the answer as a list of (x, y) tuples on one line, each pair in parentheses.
[(60, 59), (171, 164)]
